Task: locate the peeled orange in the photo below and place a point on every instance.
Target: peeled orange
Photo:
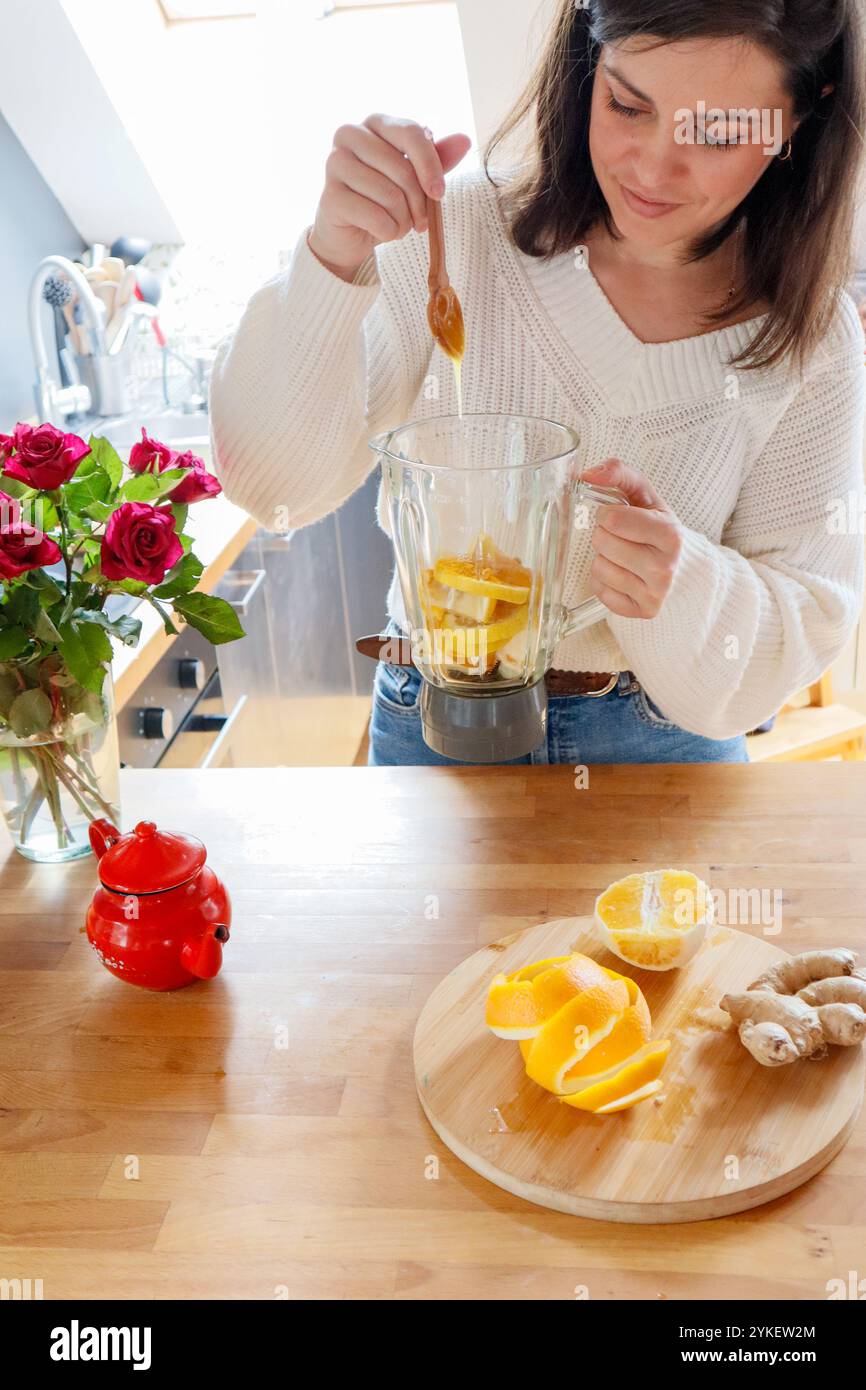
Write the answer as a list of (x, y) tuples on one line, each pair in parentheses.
[(656, 920), (584, 1031)]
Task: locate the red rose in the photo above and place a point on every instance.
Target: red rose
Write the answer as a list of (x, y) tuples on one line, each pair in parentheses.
[(149, 456), (140, 542), (6, 447), (24, 548), (198, 483), (44, 457)]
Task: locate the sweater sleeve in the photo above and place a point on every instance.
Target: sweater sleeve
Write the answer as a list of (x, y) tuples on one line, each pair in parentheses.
[(752, 620), (315, 367)]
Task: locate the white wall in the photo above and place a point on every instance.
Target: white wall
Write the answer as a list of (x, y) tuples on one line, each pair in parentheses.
[(502, 40), (53, 100)]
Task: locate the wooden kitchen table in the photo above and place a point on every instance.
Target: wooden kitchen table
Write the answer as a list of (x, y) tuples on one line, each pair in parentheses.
[(259, 1135)]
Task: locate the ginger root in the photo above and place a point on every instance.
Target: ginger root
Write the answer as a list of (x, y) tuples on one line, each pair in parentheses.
[(844, 989), (800, 1005), (790, 975), (797, 1030)]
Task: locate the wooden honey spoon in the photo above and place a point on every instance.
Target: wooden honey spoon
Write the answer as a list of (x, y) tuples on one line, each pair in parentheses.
[(444, 313)]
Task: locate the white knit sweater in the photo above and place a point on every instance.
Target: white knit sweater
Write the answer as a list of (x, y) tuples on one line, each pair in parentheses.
[(764, 470)]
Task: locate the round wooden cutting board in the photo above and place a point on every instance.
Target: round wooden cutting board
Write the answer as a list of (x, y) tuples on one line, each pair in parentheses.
[(724, 1134)]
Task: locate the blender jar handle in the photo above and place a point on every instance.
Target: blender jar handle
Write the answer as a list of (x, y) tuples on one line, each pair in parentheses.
[(592, 610)]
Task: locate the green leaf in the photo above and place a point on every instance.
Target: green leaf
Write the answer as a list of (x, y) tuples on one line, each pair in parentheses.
[(40, 511), (141, 487), (23, 606), (48, 591), (90, 462), (179, 511), (128, 586), (45, 629), (85, 648), (126, 628), (108, 459), (82, 492), (148, 487), (100, 511), (13, 487), (211, 616), (30, 713), (163, 613), (180, 580), (94, 637), (12, 641)]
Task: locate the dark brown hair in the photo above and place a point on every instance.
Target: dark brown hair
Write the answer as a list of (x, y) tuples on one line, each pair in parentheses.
[(798, 219)]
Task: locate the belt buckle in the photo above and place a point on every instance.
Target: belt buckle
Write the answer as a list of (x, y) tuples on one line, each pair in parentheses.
[(596, 694)]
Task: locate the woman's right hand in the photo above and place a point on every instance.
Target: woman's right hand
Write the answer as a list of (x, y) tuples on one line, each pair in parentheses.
[(378, 176)]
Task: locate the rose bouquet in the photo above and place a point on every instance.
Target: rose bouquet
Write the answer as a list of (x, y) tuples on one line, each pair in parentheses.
[(75, 528)]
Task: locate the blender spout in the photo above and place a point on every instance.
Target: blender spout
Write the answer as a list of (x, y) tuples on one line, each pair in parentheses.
[(378, 442)]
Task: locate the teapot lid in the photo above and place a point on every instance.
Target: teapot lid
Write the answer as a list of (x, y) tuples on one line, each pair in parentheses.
[(148, 860)]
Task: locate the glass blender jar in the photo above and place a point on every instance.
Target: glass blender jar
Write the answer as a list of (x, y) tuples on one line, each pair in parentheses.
[(480, 510)]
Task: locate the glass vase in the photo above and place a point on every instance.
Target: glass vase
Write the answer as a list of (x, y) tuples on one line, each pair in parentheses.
[(63, 773)]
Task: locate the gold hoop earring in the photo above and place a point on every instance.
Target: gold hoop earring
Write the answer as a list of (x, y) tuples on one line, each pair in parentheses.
[(783, 157)]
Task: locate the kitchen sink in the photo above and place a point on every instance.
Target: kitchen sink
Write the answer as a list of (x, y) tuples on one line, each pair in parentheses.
[(175, 428)]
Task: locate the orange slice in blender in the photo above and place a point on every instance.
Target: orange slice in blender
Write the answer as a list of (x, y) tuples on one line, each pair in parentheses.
[(505, 583), (488, 636), (478, 607)]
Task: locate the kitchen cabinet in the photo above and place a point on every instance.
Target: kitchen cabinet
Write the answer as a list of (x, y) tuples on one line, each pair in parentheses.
[(299, 690), (324, 586)]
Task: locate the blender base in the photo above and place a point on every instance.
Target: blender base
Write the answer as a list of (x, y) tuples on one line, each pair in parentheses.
[(484, 728)]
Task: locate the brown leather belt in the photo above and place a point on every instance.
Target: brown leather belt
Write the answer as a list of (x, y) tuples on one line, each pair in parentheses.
[(580, 682), (397, 650)]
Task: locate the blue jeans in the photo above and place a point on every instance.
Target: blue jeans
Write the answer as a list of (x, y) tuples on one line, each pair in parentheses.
[(624, 726)]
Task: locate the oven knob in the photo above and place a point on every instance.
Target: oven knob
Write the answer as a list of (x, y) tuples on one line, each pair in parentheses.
[(155, 722), (190, 673)]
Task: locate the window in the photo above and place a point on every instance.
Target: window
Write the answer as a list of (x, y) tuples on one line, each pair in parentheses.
[(175, 10)]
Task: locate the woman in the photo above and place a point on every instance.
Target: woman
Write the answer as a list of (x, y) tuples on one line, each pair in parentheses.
[(666, 273)]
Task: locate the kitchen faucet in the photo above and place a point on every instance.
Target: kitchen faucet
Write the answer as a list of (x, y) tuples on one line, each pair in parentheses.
[(51, 398)]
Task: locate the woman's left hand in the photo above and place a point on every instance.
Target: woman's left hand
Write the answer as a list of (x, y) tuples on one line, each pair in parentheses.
[(637, 547)]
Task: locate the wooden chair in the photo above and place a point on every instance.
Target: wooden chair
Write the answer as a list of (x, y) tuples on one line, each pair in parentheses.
[(812, 730)]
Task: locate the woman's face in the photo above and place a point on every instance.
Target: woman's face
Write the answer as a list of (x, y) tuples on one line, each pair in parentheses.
[(648, 146)]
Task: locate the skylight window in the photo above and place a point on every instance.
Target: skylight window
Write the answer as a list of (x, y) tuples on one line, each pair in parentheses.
[(175, 10), (180, 11)]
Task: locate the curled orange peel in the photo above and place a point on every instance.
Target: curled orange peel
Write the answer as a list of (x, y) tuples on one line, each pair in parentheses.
[(584, 1031)]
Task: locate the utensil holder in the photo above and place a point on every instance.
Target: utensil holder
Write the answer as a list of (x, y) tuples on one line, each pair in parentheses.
[(108, 380)]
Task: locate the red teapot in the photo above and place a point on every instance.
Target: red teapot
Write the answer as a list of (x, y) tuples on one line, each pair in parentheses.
[(160, 915)]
